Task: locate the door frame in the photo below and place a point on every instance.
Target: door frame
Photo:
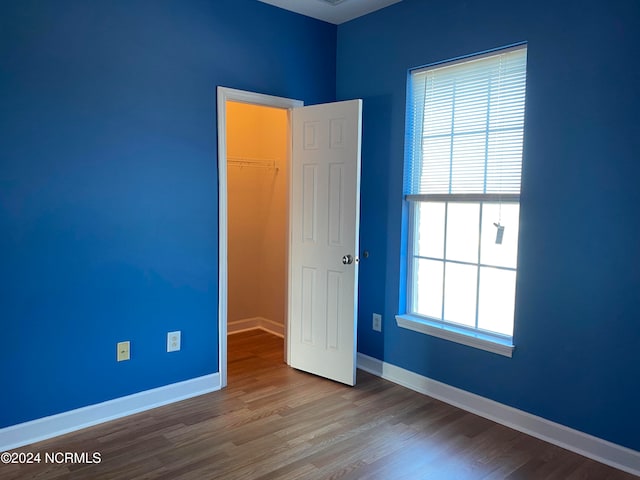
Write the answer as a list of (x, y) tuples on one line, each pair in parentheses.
[(225, 94)]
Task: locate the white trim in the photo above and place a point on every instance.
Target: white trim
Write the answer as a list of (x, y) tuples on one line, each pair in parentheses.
[(582, 443), (54, 425), (464, 197), (471, 58), (259, 323), (453, 334), (230, 94)]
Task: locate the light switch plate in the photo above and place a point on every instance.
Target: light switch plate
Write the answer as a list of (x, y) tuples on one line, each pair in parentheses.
[(123, 351)]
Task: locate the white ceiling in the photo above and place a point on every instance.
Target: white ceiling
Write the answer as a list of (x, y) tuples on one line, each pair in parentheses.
[(343, 11)]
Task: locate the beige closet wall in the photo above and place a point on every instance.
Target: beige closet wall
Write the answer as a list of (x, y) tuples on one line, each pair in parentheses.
[(257, 231)]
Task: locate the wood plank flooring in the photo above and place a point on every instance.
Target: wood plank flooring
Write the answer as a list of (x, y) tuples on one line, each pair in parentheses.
[(273, 422)]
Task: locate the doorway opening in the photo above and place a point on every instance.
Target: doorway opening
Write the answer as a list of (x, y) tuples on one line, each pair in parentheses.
[(257, 217), (320, 319), (253, 170)]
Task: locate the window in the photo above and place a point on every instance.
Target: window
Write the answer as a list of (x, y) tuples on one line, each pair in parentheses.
[(462, 182)]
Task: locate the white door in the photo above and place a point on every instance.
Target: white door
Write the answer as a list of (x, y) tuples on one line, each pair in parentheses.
[(325, 212)]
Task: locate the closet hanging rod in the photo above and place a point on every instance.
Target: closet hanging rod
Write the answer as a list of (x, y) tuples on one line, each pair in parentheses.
[(251, 162)]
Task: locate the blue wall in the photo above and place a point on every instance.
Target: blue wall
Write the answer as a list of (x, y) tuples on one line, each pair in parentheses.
[(577, 330), (108, 191), (108, 183)]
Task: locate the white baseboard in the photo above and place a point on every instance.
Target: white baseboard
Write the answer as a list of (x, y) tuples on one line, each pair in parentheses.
[(237, 326), (582, 443), (48, 427)]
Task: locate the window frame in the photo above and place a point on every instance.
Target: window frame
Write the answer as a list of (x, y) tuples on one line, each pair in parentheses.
[(441, 323), (495, 342)]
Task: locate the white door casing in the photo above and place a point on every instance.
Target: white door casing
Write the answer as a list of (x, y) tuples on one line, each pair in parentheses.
[(224, 95), (324, 228)]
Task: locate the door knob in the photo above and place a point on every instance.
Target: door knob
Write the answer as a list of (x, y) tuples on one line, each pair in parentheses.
[(347, 260)]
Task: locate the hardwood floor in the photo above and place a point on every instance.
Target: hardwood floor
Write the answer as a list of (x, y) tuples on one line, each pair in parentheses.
[(273, 422)]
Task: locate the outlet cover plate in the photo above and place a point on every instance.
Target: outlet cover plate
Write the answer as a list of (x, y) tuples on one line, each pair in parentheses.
[(173, 341), (377, 322)]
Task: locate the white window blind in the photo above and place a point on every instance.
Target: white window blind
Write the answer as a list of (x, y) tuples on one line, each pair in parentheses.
[(466, 122)]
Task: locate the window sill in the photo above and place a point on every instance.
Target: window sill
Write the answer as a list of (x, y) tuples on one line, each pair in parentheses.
[(449, 332)]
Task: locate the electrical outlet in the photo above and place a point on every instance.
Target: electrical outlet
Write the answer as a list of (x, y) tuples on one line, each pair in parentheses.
[(377, 322), (173, 341), (123, 351)]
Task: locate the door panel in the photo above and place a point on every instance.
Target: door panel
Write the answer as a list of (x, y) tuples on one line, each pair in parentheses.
[(325, 201), (309, 203)]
